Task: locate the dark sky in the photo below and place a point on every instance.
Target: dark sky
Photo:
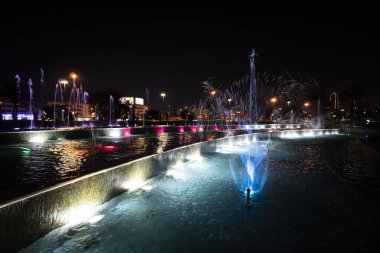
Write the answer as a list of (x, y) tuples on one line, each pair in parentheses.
[(174, 48)]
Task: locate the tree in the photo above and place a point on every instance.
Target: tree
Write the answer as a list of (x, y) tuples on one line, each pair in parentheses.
[(100, 101), (186, 114), (353, 93), (152, 114)]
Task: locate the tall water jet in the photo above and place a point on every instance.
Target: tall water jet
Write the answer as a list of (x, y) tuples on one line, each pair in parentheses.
[(58, 92), (253, 112), (55, 101), (41, 102), (16, 101), (30, 83), (72, 93), (111, 109)]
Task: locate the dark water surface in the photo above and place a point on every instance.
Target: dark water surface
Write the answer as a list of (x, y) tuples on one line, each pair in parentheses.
[(320, 196), (28, 167)]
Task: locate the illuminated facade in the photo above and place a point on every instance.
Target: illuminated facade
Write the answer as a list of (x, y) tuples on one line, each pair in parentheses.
[(6, 110), (137, 103)]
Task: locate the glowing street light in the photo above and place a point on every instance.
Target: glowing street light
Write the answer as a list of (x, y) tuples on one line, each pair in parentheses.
[(229, 107), (163, 94), (288, 103), (64, 82), (273, 100), (73, 76), (213, 92), (306, 105), (163, 97)]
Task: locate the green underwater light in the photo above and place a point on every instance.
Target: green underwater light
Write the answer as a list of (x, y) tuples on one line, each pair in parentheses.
[(25, 151)]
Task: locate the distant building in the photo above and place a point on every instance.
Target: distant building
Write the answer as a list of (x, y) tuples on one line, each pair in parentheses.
[(137, 103), (81, 111), (6, 110)]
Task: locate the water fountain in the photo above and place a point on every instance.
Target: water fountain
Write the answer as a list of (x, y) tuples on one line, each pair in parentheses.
[(253, 111), (111, 110), (30, 83), (58, 90), (247, 156)]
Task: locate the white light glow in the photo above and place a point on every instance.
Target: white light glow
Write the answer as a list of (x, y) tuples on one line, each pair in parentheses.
[(95, 219), (177, 173), (78, 214), (38, 138), (134, 183), (194, 157), (147, 188), (307, 134), (115, 133)]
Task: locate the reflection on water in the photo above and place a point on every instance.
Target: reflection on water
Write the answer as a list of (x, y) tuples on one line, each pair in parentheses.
[(51, 162), (70, 156), (315, 200)]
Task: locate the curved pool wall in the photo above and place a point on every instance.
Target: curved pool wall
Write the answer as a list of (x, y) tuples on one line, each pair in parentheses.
[(77, 133), (24, 220)]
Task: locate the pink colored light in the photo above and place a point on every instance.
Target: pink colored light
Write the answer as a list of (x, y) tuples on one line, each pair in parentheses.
[(126, 132), (159, 130), (193, 128), (108, 148), (181, 129)]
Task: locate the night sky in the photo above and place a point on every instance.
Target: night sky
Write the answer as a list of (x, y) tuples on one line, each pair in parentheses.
[(174, 48)]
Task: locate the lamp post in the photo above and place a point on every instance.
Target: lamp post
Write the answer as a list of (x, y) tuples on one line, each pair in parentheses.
[(229, 107), (64, 82), (163, 94), (74, 76), (288, 103), (273, 100), (306, 105), (213, 92)]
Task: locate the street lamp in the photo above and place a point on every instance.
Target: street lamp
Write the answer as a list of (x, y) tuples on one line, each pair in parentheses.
[(229, 102), (306, 105), (229, 107), (273, 100), (64, 82), (163, 94), (73, 76), (288, 103), (213, 92)]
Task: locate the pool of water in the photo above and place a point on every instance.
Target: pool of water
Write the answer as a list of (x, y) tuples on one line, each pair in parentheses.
[(29, 167), (319, 196)]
